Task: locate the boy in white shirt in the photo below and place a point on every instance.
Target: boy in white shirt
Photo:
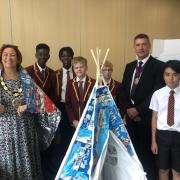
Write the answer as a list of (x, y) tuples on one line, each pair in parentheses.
[(165, 104)]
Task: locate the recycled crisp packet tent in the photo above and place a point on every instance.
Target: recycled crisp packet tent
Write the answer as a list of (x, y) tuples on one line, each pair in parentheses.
[(101, 148)]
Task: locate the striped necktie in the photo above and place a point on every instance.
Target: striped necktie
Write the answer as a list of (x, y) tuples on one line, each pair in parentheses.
[(170, 114), (43, 72)]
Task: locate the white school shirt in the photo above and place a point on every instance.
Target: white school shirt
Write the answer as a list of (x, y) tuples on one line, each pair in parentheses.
[(64, 82), (159, 103), (40, 68)]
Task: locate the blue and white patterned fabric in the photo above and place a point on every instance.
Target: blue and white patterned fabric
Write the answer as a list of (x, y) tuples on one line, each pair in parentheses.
[(86, 154)]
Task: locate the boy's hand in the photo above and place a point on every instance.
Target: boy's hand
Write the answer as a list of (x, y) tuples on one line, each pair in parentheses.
[(154, 148), (2, 108), (21, 109), (75, 123)]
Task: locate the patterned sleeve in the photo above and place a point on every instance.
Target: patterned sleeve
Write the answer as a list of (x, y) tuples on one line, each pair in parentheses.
[(47, 115)]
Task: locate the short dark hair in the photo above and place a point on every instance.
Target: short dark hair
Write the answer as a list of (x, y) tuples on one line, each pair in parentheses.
[(18, 53), (42, 46), (142, 36), (173, 64), (68, 49)]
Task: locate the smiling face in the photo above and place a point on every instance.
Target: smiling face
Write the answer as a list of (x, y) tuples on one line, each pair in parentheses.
[(9, 58), (171, 78), (142, 47)]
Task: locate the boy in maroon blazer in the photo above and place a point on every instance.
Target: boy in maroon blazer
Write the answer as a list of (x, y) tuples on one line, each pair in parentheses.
[(78, 90), (114, 86), (63, 75), (44, 78), (40, 73)]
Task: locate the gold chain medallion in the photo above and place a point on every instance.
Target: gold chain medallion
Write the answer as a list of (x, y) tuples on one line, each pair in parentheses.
[(17, 100)]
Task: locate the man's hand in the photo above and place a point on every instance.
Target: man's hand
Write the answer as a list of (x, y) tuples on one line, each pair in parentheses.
[(132, 112)]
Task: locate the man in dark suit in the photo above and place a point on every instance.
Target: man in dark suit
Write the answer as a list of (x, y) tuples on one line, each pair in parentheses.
[(78, 90), (42, 75), (141, 78)]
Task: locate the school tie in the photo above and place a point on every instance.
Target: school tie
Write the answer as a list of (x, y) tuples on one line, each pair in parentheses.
[(170, 114), (43, 72), (81, 94), (68, 76), (138, 71)]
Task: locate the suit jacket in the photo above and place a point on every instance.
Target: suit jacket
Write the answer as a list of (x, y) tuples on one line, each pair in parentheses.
[(47, 83), (72, 97), (151, 79), (58, 83), (115, 89)]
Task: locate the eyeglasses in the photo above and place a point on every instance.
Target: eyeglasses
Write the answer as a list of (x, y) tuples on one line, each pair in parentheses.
[(106, 70)]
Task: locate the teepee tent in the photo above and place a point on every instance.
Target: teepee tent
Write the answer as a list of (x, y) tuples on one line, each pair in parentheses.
[(101, 148)]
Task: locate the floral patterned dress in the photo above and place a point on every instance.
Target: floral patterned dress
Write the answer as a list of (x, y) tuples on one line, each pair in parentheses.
[(19, 145)]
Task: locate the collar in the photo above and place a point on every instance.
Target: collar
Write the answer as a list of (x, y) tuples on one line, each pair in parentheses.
[(65, 70), (40, 68), (83, 79), (176, 90), (144, 60), (108, 82)]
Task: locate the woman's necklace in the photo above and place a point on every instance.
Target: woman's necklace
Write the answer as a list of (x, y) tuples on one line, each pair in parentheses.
[(17, 100)]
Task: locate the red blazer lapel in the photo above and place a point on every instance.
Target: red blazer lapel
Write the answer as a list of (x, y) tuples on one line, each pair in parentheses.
[(112, 85), (87, 86), (59, 78), (39, 75), (47, 76), (75, 88)]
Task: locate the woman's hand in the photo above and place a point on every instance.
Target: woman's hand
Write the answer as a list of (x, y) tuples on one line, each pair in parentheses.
[(2, 108), (21, 109)]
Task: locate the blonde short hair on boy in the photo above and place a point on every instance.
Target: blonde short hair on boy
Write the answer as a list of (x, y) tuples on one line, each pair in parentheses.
[(108, 64), (79, 59)]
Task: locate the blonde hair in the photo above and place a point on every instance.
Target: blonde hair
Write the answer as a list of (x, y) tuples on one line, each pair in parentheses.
[(79, 59), (108, 64)]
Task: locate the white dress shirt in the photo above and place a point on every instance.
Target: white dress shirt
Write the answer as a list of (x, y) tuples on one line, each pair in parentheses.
[(40, 68), (108, 82), (64, 82), (159, 103)]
